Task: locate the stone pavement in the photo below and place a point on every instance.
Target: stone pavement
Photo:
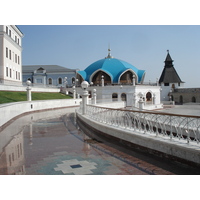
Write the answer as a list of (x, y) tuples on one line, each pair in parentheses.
[(185, 109)]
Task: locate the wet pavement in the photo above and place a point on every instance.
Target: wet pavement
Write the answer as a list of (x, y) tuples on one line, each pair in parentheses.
[(50, 143)]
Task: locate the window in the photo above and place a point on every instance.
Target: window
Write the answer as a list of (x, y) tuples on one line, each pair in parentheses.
[(16, 74), (114, 97), (15, 38), (50, 81), (10, 33), (7, 30), (60, 81), (7, 71), (10, 73), (123, 97), (18, 60), (18, 41), (15, 58), (166, 84), (6, 52), (10, 160), (10, 54), (19, 75)]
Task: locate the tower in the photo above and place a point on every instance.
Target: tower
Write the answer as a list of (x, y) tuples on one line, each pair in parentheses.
[(169, 79), (10, 55)]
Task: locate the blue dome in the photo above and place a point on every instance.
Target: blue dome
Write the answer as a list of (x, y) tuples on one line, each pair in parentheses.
[(113, 67)]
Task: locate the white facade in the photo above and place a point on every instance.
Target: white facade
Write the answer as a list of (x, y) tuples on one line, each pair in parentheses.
[(10, 55), (128, 93)]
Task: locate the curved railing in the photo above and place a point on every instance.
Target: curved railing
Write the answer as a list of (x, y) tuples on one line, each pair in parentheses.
[(177, 127)]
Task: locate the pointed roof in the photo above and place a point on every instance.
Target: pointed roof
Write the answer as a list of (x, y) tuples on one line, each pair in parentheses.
[(169, 74), (168, 58)]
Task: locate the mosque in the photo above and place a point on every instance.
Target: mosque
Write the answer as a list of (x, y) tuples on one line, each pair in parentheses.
[(117, 80)]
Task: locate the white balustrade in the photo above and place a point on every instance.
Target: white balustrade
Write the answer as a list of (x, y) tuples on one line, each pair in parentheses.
[(181, 127)]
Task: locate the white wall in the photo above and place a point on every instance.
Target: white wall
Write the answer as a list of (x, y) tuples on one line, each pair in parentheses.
[(11, 110), (23, 88), (106, 92)]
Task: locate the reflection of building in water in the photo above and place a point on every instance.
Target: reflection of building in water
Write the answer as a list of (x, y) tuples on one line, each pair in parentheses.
[(12, 157)]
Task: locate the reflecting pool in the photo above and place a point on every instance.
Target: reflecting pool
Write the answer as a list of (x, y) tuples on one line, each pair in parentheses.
[(50, 143)]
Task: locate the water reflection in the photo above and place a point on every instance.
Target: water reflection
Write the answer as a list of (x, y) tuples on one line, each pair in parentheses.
[(51, 143), (12, 156), (12, 159)]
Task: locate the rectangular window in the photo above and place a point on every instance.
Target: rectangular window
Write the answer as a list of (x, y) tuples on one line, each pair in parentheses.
[(166, 84), (10, 73), (13, 157), (16, 74), (10, 33), (10, 160), (15, 38), (6, 52), (15, 58), (18, 150), (10, 54), (7, 30), (19, 75), (18, 41), (7, 71), (18, 60)]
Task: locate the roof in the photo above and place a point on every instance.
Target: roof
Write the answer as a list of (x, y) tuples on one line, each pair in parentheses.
[(113, 67), (48, 68), (169, 74)]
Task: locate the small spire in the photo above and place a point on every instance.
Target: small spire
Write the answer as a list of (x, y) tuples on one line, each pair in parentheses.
[(109, 54), (168, 58)]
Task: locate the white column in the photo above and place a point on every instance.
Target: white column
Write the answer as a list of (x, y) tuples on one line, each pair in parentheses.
[(28, 93), (154, 99), (84, 101), (74, 92), (102, 80), (28, 89), (141, 104), (133, 80), (94, 99)]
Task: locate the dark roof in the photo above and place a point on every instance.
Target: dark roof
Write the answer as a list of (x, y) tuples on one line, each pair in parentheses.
[(48, 68), (169, 74)]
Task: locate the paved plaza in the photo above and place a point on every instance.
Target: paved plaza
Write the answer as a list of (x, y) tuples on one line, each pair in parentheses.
[(185, 109)]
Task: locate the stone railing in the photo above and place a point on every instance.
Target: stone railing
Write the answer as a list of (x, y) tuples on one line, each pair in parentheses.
[(173, 127)]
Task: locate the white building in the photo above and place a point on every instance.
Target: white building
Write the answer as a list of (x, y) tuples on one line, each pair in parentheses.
[(117, 80), (10, 55)]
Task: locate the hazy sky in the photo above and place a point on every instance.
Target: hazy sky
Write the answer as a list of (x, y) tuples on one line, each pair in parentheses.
[(144, 46)]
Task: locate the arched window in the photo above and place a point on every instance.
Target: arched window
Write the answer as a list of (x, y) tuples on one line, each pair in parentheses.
[(60, 81), (97, 78), (50, 81), (114, 97), (148, 96), (127, 78), (123, 97), (193, 99)]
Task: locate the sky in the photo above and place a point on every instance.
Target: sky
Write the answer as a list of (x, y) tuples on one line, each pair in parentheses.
[(143, 46)]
